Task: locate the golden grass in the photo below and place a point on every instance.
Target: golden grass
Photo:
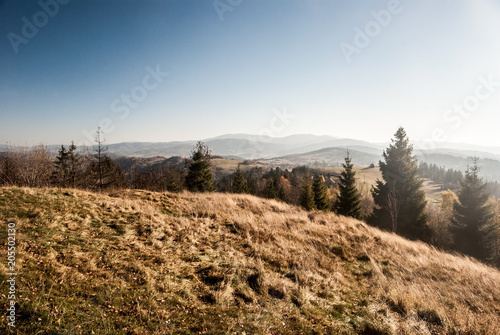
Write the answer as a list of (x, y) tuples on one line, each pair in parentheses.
[(137, 262), (230, 165)]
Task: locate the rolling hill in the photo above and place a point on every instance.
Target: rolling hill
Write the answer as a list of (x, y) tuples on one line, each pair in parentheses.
[(137, 262), (323, 157)]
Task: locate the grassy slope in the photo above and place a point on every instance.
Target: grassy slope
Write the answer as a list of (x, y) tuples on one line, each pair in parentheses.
[(136, 262), (230, 165)]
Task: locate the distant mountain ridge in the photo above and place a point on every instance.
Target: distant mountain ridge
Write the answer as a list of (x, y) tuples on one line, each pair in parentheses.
[(246, 146), (314, 150), (305, 149)]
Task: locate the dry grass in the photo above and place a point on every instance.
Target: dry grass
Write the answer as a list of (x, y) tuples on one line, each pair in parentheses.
[(230, 165), (137, 262)]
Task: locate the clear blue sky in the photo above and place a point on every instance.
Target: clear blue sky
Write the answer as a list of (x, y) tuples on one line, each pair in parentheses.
[(232, 75)]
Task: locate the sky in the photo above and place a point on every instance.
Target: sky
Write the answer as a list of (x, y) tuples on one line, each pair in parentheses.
[(156, 71)]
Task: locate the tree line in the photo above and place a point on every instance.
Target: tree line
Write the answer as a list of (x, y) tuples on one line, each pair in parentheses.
[(468, 221), (85, 169), (449, 178)]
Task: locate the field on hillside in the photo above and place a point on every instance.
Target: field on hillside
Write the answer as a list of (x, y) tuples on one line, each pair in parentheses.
[(367, 178), (230, 165), (137, 262), (364, 174)]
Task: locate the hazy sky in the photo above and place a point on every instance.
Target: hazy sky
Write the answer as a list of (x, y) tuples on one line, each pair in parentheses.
[(178, 70)]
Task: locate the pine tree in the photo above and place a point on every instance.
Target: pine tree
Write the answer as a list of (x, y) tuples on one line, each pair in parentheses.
[(321, 199), (199, 177), (100, 155), (399, 197), (271, 192), (74, 165), (472, 215), (307, 196), (239, 182), (61, 172), (106, 175), (349, 200), (252, 188)]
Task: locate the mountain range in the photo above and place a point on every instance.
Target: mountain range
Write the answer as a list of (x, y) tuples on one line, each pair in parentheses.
[(317, 151), (304, 149)]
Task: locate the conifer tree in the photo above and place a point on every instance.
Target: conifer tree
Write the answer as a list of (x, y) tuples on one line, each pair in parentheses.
[(271, 191), (199, 177), (321, 199), (239, 182), (349, 201), (61, 173), (67, 166), (399, 197), (252, 188), (472, 215), (99, 156), (307, 196), (74, 165), (106, 175)]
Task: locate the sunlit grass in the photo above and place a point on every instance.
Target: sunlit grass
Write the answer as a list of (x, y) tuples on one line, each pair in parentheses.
[(137, 262)]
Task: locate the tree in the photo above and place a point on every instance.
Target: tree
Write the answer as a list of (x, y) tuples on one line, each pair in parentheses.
[(239, 182), (492, 231), (307, 196), (321, 199), (472, 215), (74, 165), (100, 150), (270, 191), (106, 174), (67, 164), (199, 177), (349, 201), (35, 166), (399, 198), (283, 189), (439, 220), (9, 170)]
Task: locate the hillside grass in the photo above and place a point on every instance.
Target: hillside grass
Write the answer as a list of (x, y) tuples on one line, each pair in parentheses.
[(230, 165), (137, 262)]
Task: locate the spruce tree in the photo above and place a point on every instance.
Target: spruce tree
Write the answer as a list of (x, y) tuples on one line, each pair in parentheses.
[(99, 155), (74, 165), (199, 177), (349, 201), (239, 182), (271, 191), (252, 188), (307, 196), (399, 197), (472, 215), (321, 199), (106, 175), (61, 173), (67, 166)]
